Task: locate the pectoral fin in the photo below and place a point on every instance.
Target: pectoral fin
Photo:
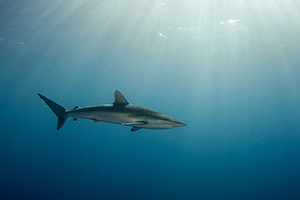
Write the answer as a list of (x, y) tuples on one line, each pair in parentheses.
[(135, 128)]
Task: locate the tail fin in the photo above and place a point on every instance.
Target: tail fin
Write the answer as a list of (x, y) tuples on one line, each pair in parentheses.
[(59, 111)]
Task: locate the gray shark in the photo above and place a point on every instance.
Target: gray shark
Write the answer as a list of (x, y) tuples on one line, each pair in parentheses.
[(119, 112)]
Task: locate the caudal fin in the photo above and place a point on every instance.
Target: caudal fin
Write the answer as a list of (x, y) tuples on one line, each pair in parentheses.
[(59, 111)]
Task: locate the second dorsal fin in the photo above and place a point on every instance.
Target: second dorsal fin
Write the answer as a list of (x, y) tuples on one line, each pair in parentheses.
[(120, 99)]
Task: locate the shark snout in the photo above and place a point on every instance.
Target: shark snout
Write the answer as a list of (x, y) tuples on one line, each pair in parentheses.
[(179, 124), (182, 124)]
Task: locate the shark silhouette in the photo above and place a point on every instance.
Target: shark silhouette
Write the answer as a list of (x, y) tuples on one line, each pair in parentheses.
[(119, 112)]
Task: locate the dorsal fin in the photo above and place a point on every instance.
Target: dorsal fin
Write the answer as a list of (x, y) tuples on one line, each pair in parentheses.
[(120, 99)]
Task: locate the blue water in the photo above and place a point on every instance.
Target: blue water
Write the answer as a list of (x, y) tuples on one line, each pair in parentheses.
[(229, 69)]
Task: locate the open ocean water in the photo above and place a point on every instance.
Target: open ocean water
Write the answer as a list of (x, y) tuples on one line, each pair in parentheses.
[(229, 69)]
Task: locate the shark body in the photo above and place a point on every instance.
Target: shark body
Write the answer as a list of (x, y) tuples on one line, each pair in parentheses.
[(119, 112)]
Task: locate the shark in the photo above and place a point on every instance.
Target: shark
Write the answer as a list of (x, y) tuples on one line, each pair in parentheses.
[(119, 112)]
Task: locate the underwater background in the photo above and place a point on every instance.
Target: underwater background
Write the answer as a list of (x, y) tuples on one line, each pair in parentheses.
[(228, 69)]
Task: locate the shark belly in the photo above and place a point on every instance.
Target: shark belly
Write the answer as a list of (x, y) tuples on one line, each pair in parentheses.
[(155, 126)]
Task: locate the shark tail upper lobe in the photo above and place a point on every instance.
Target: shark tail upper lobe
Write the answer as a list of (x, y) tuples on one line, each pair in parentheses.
[(59, 111)]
